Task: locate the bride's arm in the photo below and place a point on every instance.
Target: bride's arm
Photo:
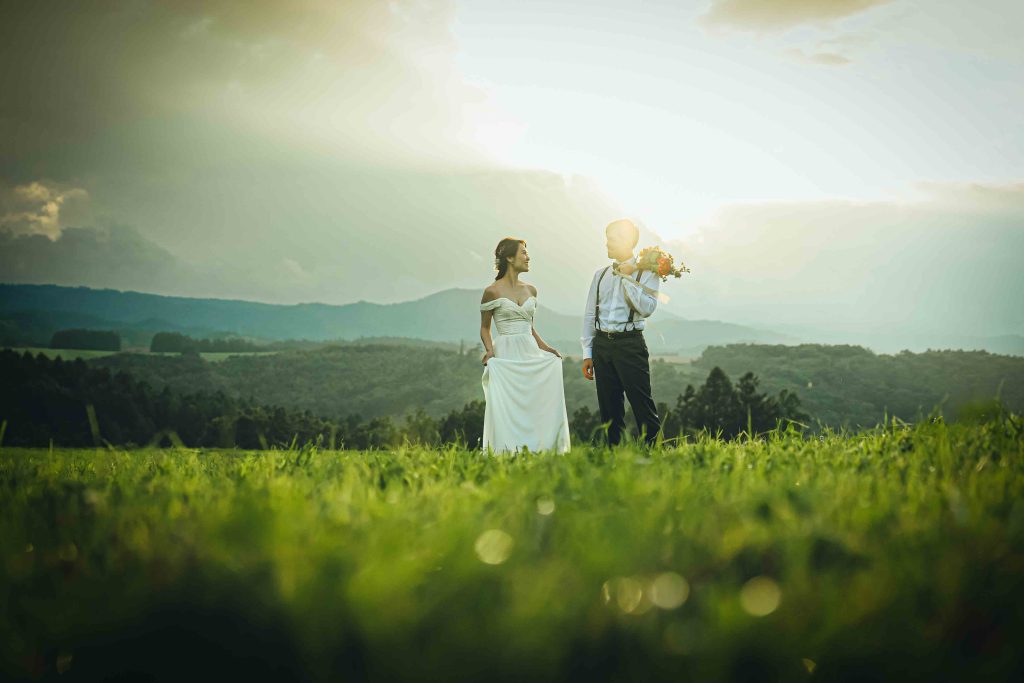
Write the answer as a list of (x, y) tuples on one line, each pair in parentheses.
[(543, 346), (540, 342), (485, 327)]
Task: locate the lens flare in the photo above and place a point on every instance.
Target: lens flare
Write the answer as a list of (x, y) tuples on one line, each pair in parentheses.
[(545, 506), (669, 590), (760, 596), (493, 546)]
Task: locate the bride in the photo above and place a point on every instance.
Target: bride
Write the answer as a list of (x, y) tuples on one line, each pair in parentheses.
[(525, 400)]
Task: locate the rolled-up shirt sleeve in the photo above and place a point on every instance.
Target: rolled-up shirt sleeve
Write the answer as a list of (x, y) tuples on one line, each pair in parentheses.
[(642, 302), (587, 336)]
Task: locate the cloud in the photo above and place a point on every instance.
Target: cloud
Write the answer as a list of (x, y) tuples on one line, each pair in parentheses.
[(943, 263), (92, 86), (946, 262), (357, 242), (1006, 198), (823, 58), (116, 256), (36, 208), (796, 23), (781, 15)]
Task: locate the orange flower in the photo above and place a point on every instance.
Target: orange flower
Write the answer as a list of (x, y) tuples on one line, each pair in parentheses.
[(657, 260)]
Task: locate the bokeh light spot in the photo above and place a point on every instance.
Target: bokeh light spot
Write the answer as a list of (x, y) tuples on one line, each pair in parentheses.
[(628, 594), (760, 596), (669, 590), (493, 546), (545, 506)]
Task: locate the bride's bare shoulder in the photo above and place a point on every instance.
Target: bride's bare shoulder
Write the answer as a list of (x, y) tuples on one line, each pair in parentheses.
[(490, 294), (533, 290)]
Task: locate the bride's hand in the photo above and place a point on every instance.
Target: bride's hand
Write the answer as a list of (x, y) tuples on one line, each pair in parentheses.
[(487, 356), (554, 351)]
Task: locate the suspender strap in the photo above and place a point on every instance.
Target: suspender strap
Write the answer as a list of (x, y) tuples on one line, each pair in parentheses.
[(597, 301), (632, 311)]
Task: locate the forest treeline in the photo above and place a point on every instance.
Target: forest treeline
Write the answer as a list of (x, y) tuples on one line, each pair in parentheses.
[(843, 385), (69, 403), (87, 340), (717, 407), (173, 342), (840, 386), (376, 394)]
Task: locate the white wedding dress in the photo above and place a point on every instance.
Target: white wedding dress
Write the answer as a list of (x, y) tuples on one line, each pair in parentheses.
[(525, 399)]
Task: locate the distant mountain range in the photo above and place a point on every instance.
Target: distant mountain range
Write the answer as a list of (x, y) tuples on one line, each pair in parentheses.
[(31, 313)]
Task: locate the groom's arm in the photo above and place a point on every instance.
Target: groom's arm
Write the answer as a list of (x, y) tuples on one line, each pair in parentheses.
[(641, 302), (587, 336)]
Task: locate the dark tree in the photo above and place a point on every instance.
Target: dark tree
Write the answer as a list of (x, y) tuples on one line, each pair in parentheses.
[(173, 342), (88, 340), (420, 428), (718, 405), (719, 408), (464, 427), (585, 426), (79, 404)]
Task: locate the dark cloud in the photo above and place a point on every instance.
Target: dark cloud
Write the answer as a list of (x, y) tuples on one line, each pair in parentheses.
[(245, 136), (76, 77), (117, 257)]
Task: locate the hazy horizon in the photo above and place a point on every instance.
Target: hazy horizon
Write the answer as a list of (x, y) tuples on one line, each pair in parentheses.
[(854, 167)]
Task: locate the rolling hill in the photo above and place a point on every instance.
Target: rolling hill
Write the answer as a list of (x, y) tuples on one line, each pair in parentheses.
[(447, 316)]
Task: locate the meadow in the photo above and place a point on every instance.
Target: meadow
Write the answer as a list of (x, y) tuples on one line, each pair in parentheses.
[(890, 554)]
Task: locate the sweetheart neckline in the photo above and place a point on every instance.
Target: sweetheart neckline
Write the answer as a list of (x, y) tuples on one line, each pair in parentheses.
[(513, 300)]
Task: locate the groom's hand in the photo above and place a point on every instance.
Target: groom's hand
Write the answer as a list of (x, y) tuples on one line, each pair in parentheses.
[(588, 368)]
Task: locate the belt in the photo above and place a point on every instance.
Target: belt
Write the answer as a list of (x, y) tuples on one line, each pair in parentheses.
[(618, 335)]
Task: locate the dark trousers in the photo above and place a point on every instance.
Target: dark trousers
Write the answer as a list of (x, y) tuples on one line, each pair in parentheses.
[(621, 366)]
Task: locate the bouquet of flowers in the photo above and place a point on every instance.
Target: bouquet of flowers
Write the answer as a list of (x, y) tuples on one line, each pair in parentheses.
[(660, 262)]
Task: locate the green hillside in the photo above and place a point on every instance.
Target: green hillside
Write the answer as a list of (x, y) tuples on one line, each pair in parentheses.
[(30, 313), (838, 385), (851, 385)]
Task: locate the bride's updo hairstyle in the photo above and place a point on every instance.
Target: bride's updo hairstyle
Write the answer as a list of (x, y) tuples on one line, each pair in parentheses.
[(506, 249)]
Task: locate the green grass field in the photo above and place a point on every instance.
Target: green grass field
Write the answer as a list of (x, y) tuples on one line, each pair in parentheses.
[(891, 555)]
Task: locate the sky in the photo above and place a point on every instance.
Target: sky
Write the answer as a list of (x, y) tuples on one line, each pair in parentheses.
[(842, 165)]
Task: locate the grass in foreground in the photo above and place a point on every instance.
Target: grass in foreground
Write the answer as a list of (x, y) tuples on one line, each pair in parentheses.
[(891, 555)]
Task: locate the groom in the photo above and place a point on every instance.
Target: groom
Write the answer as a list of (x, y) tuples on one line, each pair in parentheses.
[(614, 349)]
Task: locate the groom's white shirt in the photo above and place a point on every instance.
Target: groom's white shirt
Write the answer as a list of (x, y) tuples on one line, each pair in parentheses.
[(617, 295)]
